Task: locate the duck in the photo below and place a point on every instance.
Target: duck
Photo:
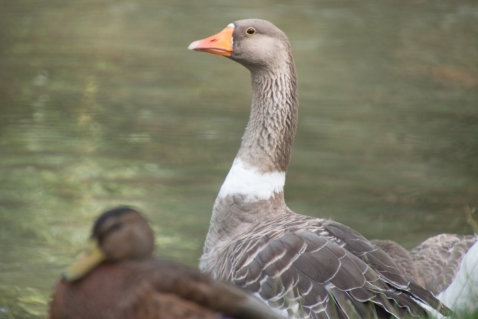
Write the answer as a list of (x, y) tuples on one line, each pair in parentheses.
[(302, 266), (445, 264), (117, 277)]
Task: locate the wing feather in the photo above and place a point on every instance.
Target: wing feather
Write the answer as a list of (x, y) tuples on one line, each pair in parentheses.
[(324, 271)]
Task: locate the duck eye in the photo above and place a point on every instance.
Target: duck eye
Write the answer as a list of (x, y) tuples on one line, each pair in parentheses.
[(250, 31)]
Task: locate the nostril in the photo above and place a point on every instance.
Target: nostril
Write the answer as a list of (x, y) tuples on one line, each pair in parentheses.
[(213, 40)]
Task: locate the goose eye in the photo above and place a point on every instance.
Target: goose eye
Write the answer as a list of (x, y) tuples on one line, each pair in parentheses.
[(250, 31)]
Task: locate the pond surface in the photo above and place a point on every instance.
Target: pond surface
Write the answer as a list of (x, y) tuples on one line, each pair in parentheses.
[(101, 104)]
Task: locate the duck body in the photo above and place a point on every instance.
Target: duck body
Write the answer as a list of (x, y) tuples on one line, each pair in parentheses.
[(118, 278), (304, 266), (126, 290)]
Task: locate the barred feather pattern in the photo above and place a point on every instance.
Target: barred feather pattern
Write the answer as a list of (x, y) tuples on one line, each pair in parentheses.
[(316, 268), (438, 258)]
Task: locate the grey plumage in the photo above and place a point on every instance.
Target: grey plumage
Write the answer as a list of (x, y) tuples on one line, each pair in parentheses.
[(437, 259), (401, 256), (434, 262), (318, 268)]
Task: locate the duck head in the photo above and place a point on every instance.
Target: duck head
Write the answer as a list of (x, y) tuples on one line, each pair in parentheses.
[(119, 234)]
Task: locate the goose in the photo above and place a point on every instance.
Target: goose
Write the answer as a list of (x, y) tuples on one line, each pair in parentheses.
[(462, 293), (118, 278), (445, 264), (402, 258), (438, 258), (304, 267)]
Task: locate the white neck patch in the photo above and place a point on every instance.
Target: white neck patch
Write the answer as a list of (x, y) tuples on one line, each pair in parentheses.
[(247, 180)]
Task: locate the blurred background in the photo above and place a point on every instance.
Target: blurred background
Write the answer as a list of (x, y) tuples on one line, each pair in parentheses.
[(102, 104)]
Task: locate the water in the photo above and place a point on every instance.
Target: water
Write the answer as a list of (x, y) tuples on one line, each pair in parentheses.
[(102, 104)]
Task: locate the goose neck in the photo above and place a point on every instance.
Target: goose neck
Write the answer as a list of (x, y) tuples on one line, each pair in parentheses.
[(269, 135)]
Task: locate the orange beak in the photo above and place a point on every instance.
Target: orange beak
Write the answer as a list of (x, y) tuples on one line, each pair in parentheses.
[(219, 44)]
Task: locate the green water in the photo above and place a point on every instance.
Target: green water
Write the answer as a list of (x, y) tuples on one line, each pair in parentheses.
[(102, 104)]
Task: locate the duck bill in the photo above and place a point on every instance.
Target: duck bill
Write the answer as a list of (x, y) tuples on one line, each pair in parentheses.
[(86, 262), (219, 44)]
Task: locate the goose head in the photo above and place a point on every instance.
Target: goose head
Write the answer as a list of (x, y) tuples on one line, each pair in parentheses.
[(119, 234), (253, 43)]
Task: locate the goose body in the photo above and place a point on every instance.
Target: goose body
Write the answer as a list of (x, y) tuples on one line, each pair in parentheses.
[(304, 266), (402, 258), (462, 293), (118, 278), (438, 259), (445, 264)]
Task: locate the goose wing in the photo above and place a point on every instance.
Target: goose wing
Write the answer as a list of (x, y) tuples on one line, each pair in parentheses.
[(325, 270), (189, 285)]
